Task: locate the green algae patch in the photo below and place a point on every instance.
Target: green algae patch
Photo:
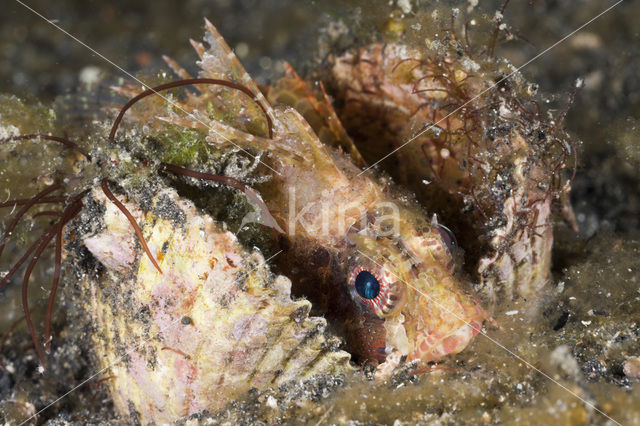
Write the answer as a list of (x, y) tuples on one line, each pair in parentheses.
[(24, 117), (183, 146)]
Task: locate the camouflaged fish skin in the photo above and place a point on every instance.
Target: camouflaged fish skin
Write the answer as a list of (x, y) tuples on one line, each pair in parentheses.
[(482, 157)]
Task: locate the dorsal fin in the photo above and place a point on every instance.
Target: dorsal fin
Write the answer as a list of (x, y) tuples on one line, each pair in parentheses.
[(219, 61), (315, 106)]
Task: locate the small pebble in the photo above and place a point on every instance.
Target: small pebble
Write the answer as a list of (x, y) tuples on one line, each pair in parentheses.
[(272, 403), (405, 5), (632, 367)]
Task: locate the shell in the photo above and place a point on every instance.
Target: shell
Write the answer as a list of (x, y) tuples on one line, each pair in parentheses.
[(215, 324)]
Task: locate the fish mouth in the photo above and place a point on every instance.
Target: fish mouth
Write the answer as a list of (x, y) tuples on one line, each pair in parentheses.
[(386, 369), (380, 354), (396, 350), (396, 335), (435, 346), (423, 347)]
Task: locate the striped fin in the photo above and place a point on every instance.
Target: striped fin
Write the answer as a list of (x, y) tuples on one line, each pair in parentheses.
[(302, 137), (198, 47), (224, 62), (316, 108), (184, 122), (219, 61), (176, 68), (126, 91), (222, 133)]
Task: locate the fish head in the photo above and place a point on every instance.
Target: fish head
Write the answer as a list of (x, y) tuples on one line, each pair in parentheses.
[(407, 281)]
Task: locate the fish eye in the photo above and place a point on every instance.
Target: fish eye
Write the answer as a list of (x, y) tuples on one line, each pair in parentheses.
[(448, 238), (367, 285)]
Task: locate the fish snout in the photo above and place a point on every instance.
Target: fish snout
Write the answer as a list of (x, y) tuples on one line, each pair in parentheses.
[(434, 347)]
